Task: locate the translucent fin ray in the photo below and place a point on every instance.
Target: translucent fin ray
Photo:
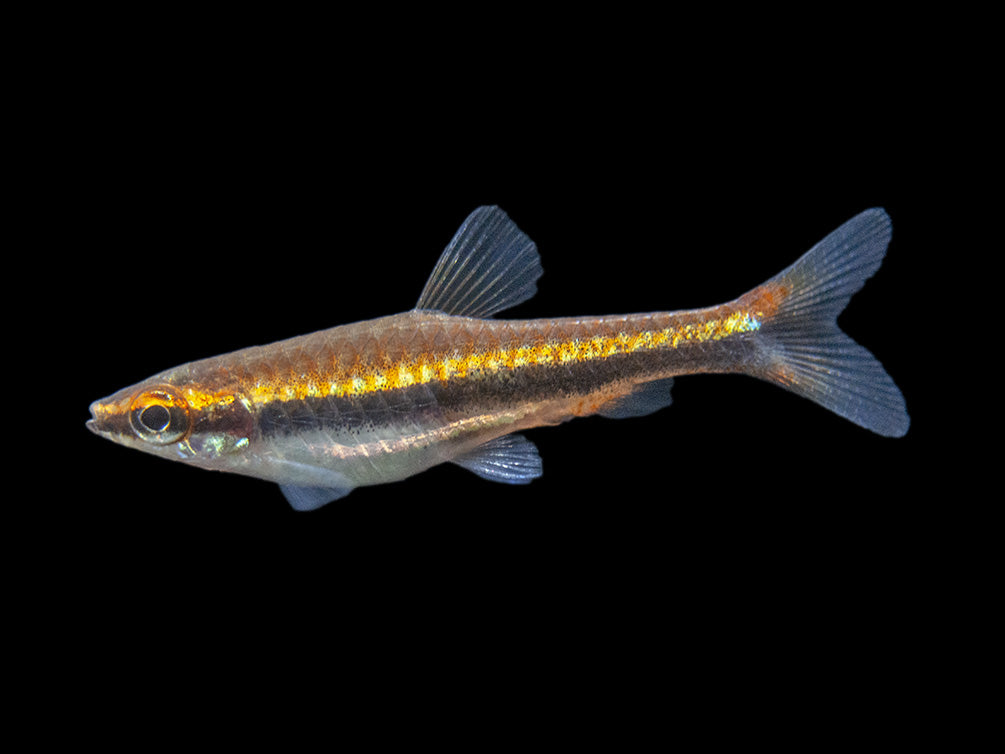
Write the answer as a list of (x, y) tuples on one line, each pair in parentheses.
[(511, 459), (808, 352), (310, 486), (311, 498), (644, 400), (490, 265)]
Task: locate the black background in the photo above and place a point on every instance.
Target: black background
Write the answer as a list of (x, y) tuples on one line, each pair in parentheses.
[(741, 536)]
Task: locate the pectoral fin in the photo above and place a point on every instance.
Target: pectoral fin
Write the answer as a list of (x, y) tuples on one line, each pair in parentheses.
[(308, 487), (311, 498)]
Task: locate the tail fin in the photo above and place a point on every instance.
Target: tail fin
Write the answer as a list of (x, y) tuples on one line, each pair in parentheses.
[(807, 352)]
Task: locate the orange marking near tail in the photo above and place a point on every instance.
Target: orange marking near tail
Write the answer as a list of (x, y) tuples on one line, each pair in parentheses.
[(765, 300)]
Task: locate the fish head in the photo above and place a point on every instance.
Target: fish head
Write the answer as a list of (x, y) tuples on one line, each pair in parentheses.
[(177, 421)]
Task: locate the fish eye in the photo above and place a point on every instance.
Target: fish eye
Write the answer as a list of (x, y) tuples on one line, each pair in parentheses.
[(155, 418), (159, 416)]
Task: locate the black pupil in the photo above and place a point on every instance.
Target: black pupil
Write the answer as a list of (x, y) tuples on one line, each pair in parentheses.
[(155, 418)]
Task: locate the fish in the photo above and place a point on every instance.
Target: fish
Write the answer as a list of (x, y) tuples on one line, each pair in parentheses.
[(381, 400)]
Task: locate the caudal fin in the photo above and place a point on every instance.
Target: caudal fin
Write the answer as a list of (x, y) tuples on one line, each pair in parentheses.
[(808, 353)]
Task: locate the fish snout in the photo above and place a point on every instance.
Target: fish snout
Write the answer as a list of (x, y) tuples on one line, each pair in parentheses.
[(107, 418), (94, 423)]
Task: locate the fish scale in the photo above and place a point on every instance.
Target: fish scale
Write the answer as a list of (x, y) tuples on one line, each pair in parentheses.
[(381, 400)]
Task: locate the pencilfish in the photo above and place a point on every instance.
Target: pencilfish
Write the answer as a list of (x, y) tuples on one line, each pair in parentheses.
[(381, 400)]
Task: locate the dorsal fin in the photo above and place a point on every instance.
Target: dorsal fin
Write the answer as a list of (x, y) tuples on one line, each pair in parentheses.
[(489, 265)]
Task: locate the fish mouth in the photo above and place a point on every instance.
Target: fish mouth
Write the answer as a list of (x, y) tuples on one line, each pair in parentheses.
[(110, 418), (93, 423)]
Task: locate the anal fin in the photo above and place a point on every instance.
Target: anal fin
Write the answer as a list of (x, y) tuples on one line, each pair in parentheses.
[(644, 400)]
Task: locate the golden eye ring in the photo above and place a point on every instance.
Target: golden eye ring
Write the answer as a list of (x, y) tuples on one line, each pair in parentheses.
[(160, 415)]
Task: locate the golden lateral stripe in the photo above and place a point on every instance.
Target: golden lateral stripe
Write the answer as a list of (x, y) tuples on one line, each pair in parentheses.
[(425, 367)]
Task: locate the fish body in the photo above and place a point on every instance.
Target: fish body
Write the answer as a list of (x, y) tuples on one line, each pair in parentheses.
[(379, 401)]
